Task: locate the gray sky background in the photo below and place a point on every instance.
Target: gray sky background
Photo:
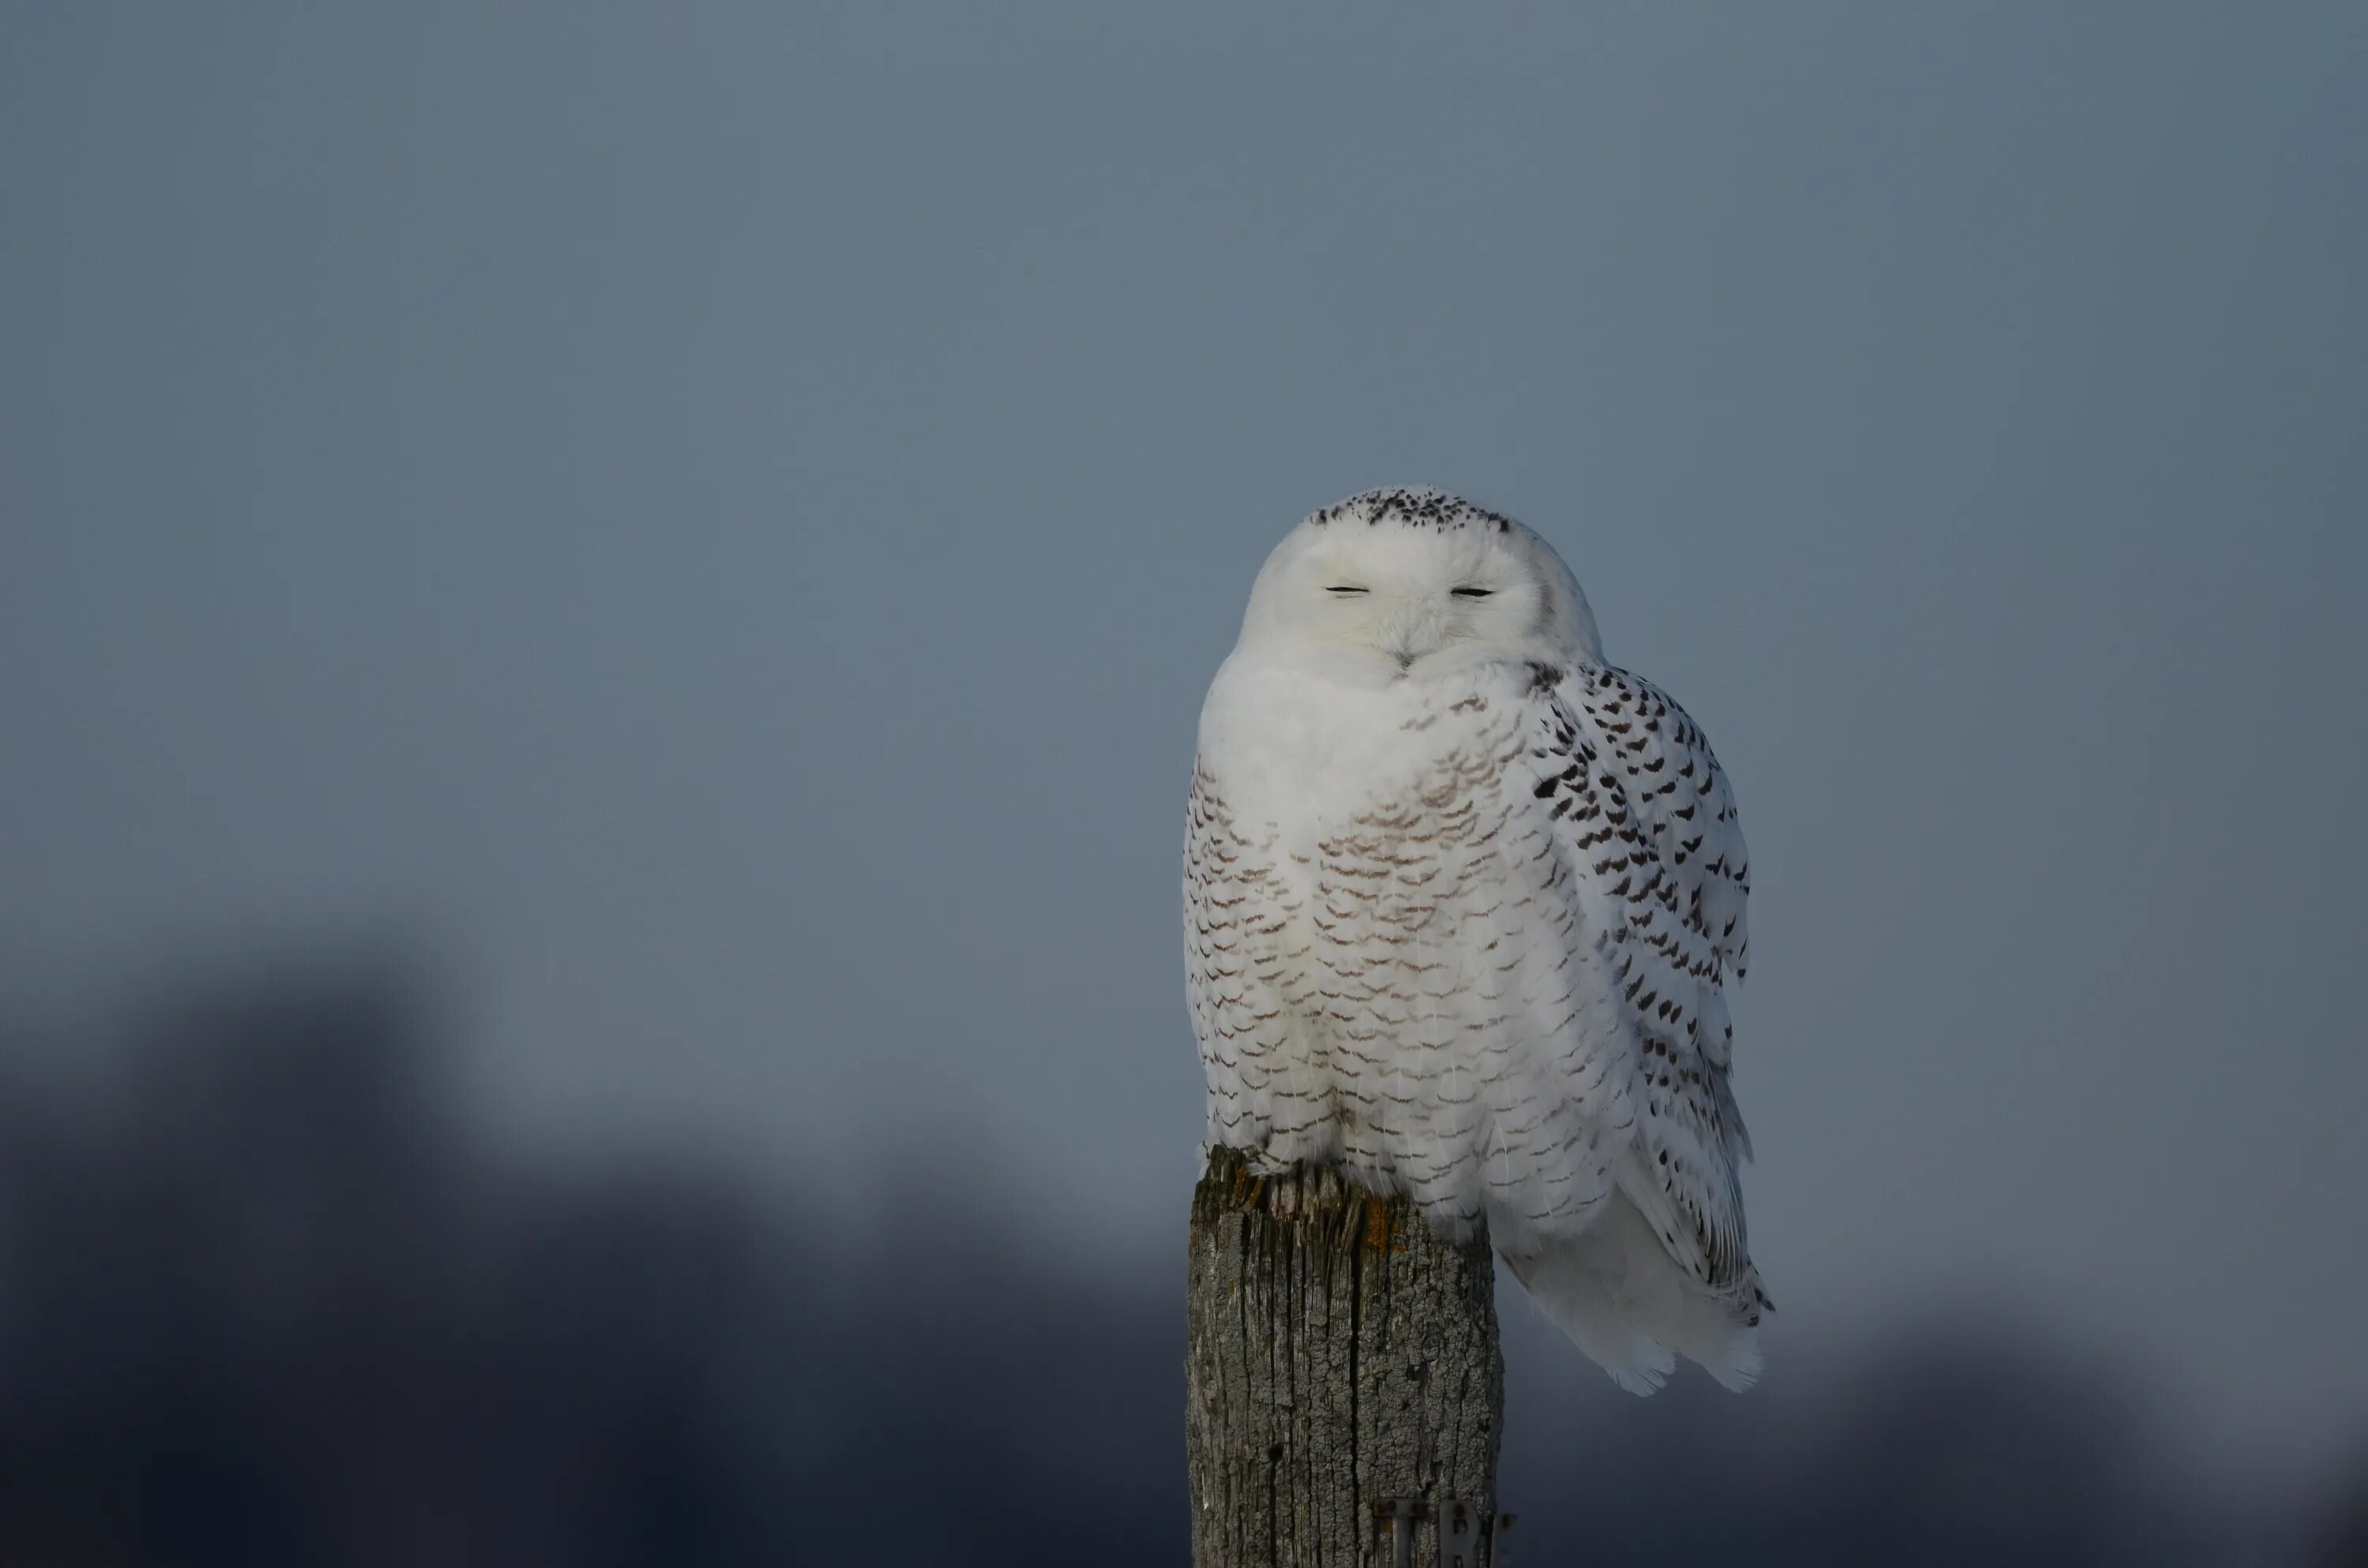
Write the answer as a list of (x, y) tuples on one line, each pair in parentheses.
[(720, 516)]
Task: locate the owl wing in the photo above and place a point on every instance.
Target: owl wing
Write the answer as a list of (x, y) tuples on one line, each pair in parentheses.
[(1645, 824)]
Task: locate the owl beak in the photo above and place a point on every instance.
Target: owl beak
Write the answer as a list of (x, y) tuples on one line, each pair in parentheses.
[(1410, 635)]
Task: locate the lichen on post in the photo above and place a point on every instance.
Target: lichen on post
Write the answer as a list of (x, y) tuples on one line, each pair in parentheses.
[(1341, 1357)]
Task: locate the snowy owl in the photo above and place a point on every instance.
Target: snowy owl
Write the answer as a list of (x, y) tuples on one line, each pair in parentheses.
[(1460, 904)]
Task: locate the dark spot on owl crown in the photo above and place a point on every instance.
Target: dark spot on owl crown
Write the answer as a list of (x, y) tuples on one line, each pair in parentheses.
[(1420, 506)]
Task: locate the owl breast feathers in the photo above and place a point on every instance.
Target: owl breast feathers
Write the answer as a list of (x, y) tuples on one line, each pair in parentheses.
[(1461, 903)]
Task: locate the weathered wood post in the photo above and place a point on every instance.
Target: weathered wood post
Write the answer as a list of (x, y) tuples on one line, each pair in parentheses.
[(1342, 1359)]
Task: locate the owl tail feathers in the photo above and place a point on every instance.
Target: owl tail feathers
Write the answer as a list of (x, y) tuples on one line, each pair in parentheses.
[(1633, 1312)]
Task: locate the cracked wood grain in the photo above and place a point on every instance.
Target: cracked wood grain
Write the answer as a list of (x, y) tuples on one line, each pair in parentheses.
[(1340, 1354)]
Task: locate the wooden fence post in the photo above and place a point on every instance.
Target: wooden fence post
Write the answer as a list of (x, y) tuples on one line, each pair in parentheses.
[(1342, 1366)]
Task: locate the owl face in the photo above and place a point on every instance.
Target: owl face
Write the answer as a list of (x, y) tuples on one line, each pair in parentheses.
[(1406, 583)]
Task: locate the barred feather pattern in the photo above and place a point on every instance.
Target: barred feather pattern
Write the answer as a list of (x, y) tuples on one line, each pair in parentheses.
[(1470, 937)]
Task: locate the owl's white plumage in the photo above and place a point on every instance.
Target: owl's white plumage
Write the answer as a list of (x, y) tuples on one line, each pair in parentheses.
[(1462, 902)]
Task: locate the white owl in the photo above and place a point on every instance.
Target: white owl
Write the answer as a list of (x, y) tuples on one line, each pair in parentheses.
[(1461, 903)]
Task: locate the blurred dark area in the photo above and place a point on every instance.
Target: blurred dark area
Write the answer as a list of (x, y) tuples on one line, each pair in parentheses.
[(264, 1300)]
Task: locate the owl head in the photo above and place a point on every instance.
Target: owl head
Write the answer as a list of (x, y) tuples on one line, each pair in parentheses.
[(1406, 583)]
